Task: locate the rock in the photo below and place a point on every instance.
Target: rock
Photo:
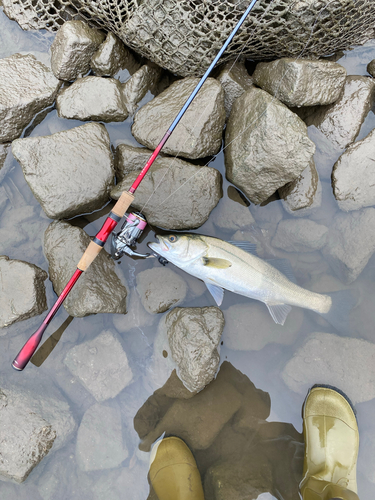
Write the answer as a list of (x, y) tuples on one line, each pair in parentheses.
[(111, 57), (199, 134), (22, 291), (113, 484), (101, 365), (340, 122), (142, 81), (301, 82), (230, 216), (72, 49), (235, 80), (99, 289), (30, 425), (304, 195), (175, 194), (353, 175), (70, 172), (371, 68), (326, 358), (194, 335), (250, 327), (267, 215), (258, 159), (92, 98), (351, 243), (300, 236), (99, 439), (325, 154), (4, 150), (160, 289), (137, 317), (26, 87)]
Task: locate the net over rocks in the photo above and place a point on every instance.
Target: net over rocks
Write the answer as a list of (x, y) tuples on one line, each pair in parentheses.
[(184, 36)]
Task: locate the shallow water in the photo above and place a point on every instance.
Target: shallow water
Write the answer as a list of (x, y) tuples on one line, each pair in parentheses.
[(58, 475)]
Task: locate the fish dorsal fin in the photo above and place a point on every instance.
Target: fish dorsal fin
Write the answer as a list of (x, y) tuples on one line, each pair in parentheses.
[(279, 312), (216, 263), (285, 267), (217, 292), (246, 246)]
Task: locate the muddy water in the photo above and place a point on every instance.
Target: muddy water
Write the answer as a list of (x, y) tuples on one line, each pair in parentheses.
[(58, 476)]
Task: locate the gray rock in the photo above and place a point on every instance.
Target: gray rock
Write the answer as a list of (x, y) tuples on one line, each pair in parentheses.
[(22, 291), (351, 243), (250, 327), (92, 98), (175, 194), (326, 358), (371, 68), (230, 215), (304, 195), (235, 80), (353, 175), (258, 159), (26, 87), (30, 425), (72, 49), (143, 80), (70, 172), (111, 57), (301, 82), (101, 365), (137, 317), (4, 150), (300, 236), (199, 134), (194, 334), (99, 439), (160, 289), (340, 122), (326, 153), (99, 290)]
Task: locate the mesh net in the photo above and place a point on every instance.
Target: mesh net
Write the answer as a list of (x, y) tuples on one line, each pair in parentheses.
[(185, 35)]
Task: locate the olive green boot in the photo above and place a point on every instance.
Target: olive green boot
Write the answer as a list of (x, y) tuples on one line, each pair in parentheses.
[(173, 471), (331, 446)]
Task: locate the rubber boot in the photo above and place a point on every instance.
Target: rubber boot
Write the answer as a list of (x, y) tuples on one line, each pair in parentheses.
[(173, 471), (331, 446)]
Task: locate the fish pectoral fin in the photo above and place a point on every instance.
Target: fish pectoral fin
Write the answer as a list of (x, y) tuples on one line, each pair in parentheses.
[(217, 292), (216, 263), (279, 312)]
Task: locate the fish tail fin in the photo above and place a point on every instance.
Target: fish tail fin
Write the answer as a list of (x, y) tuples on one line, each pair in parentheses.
[(342, 304)]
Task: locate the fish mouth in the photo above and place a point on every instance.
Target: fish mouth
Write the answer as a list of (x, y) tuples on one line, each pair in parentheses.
[(160, 247)]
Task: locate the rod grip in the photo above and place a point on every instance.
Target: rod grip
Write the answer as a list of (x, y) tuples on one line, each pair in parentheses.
[(123, 203), (89, 256)]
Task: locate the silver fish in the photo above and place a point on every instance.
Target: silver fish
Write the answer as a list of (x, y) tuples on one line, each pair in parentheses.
[(231, 266)]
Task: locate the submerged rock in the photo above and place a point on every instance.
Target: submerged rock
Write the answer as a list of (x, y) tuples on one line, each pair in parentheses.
[(175, 194), (199, 133), (72, 49), (70, 172), (99, 290), (301, 82), (194, 334), (93, 98), (326, 358), (101, 365), (351, 243), (111, 57), (258, 158), (353, 175), (143, 80), (26, 87), (340, 122), (99, 439), (235, 80), (231, 215), (300, 235), (22, 291)]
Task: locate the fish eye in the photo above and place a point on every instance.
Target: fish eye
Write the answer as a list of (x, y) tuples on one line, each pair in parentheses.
[(172, 238)]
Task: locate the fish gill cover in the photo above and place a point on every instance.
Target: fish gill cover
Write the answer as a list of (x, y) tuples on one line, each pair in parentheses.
[(183, 36)]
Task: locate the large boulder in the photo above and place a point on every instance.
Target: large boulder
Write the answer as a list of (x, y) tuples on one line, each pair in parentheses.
[(70, 172), (235, 80), (22, 291), (300, 236), (111, 57), (72, 49), (99, 289), (259, 159), (143, 80), (26, 87), (175, 194), (353, 175), (199, 133), (301, 82)]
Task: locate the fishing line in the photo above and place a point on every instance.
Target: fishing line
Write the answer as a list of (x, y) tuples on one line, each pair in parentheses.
[(254, 121)]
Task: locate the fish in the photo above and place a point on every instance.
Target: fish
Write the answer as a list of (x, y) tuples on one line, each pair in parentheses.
[(234, 266)]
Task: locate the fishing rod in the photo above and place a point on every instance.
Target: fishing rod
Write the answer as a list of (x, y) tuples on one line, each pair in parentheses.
[(134, 224)]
